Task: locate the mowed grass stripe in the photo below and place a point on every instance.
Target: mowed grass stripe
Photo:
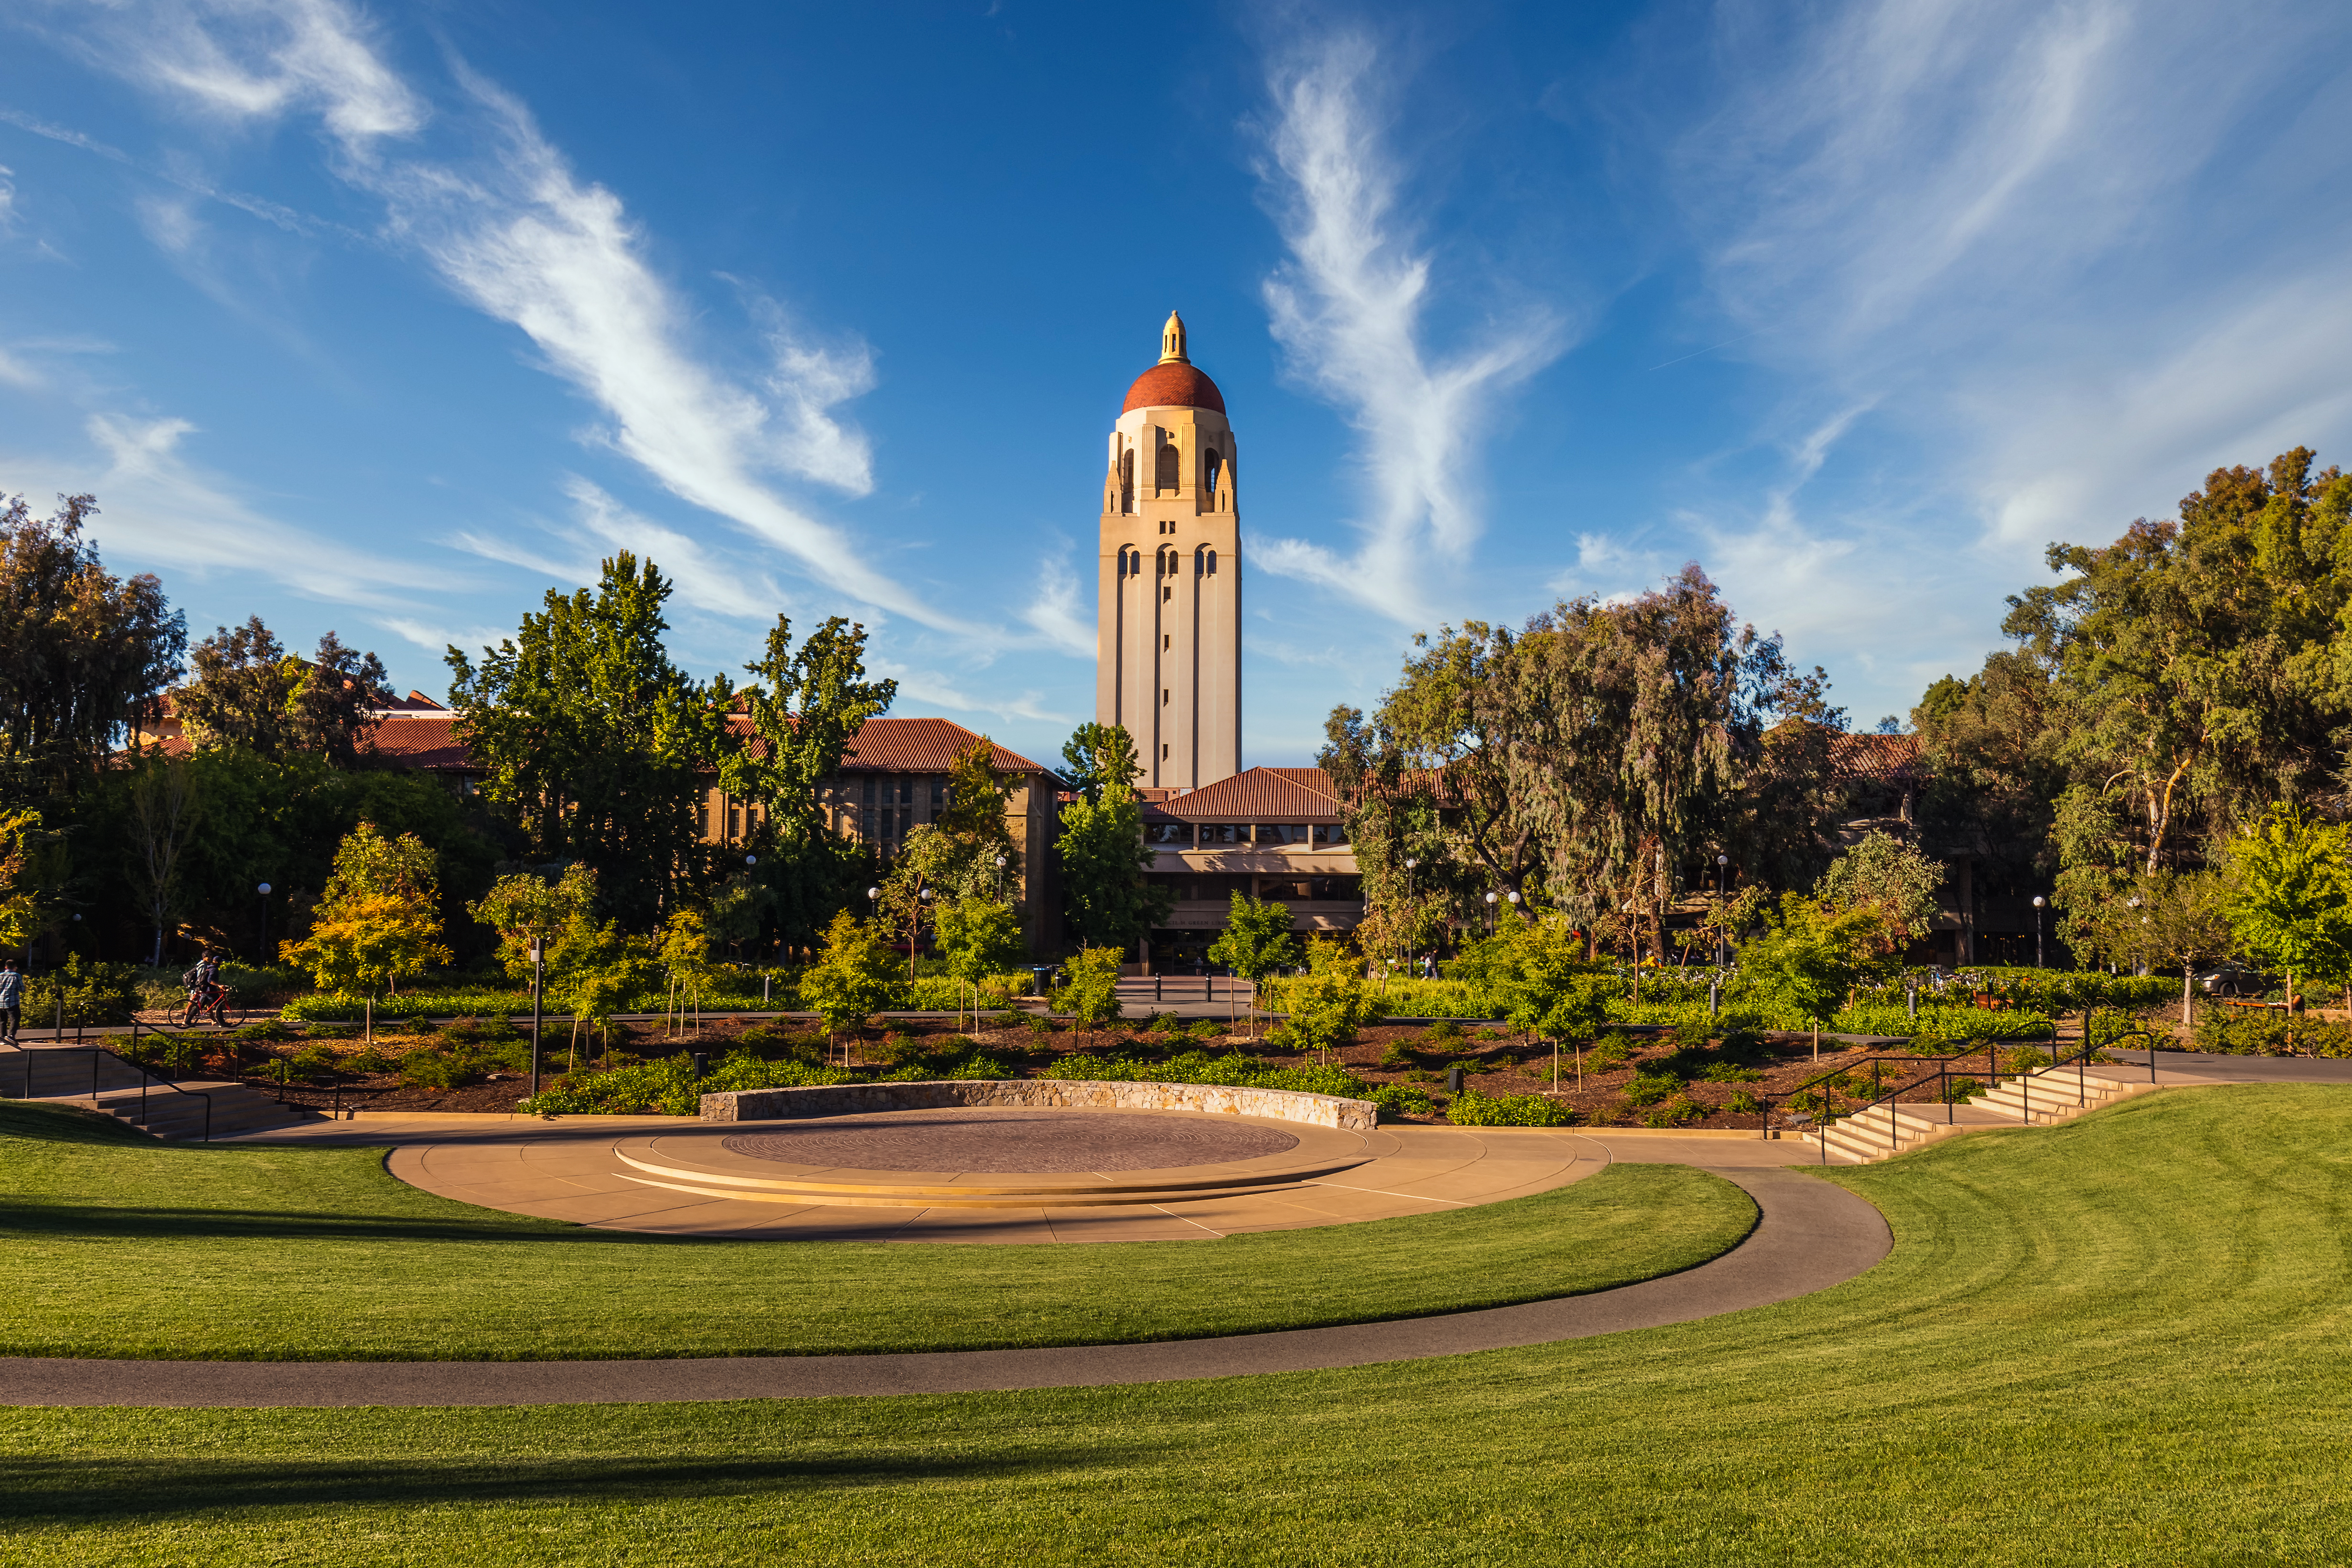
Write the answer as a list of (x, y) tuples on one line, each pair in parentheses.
[(131, 1249), (2123, 1341)]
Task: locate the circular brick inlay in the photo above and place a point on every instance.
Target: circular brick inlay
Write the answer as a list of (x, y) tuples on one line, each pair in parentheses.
[(1004, 1141)]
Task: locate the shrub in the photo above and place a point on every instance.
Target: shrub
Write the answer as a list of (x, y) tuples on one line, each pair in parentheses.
[(1675, 1113), (1471, 1109), (2025, 1059), (1962, 1089), (1743, 1101), (1740, 1044), (427, 1069), (669, 1087), (1402, 1100), (1609, 1052), (1444, 1032), (1647, 1090), (1396, 1059), (1731, 1072), (94, 992), (312, 1060), (1692, 1036)]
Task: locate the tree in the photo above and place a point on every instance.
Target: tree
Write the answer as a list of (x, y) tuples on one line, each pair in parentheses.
[(1089, 992), (2186, 917), (1256, 943), (979, 937), (1546, 983), (164, 809), (1108, 901), (955, 856), (685, 952), (525, 907), (1583, 758), (1813, 956), (594, 744), (1098, 756), (2291, 895), (246, 691), (1894, 879), (853, 974), (20, 902), (804, 707), (82, 655), (378, 918), (1331, 1004), (2197, 662)]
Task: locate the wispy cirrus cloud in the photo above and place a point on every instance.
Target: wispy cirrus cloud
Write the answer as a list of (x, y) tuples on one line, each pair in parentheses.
[(172, 511), (512, 230), (1350, 309), (1976, 245)]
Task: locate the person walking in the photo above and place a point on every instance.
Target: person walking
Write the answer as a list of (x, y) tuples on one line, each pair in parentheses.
[(12, 1000)]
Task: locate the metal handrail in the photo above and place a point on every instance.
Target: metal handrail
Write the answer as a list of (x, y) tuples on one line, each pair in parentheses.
[(145, 1079), (2080, 1056)]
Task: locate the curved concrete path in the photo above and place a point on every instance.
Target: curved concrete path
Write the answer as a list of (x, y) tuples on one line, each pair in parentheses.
[(1812, 1235)]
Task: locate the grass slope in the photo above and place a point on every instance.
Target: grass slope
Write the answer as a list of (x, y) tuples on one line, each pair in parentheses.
[(2120, 1341), (110, 1248)]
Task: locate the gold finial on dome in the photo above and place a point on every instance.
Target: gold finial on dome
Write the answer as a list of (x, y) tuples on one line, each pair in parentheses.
[(1172, 341)]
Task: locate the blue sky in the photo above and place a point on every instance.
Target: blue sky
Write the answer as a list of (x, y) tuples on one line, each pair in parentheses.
[(385, 319)]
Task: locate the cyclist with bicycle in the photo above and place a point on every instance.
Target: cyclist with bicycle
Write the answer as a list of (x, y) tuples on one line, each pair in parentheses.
[(205, 992)]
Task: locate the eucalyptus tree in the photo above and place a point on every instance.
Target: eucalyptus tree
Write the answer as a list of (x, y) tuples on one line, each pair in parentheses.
[(246, 690), (82, 654)]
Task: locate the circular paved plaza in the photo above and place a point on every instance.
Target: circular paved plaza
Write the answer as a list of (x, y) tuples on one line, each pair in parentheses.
[(1000, 1142)]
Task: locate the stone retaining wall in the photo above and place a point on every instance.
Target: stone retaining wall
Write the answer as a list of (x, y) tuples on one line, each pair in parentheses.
[(843, 1099)]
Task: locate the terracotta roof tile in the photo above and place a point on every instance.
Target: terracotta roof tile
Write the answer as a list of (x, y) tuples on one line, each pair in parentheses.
[(1252, 794), (421, 740), (1175, 384)]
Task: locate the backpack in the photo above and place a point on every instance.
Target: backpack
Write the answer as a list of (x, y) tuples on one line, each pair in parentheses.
[(192, 976)]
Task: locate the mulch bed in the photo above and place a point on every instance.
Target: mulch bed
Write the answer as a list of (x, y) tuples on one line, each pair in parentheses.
[(1495, 1062)]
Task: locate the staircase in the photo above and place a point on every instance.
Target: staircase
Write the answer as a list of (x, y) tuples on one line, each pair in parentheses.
[(98, 1080), (2051, 1095)]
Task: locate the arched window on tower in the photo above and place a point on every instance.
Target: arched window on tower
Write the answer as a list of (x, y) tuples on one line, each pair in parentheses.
[(1126, 481), (1205, 561), (1213, 469), (1171, 467)]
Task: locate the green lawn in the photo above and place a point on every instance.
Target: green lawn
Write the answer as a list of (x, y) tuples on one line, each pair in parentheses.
[(2122, 1342), (114, 1245)]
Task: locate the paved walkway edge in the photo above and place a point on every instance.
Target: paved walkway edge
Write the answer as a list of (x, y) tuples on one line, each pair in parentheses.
[(1812, 1235)]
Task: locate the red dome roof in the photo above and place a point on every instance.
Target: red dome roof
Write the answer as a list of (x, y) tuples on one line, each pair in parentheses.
[(1173, 384)]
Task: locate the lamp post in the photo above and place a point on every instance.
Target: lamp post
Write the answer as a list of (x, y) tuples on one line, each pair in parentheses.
[(1000, 878), (1490, 914), (2039, 901), (915, 931), (1722, 886), (538, 989), (263, 888)]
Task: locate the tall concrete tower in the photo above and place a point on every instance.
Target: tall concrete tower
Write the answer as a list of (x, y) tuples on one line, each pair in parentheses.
[(1168, 640)]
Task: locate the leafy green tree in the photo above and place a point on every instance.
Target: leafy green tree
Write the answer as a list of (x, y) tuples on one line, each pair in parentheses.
[(1100, 756), (1255, 943), (853, 975), (1089, 992), (1546, 983), (1330, 1005), (164, 812), (246, 691), (1813, 956), (2198, 664), (684, 948), (955, 857), (1108, 901), (2291, 899), (83, 655), (2185, 918), (379, 918), (804, 707), (593, 741), (979, 937), (1891, 878)]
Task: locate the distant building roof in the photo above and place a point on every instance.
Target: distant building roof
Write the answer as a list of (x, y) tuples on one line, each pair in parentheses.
[(413, 739), (913, 746), (1892, 759), (1251, 794)]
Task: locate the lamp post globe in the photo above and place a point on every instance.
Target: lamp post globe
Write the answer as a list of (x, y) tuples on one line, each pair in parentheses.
[(2039, 904), (751, 859)]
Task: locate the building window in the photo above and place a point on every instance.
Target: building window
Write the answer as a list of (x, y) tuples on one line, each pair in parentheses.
[(1205, 561), (1225, 833), (1212, 465), (1164, 696), (1126, 481), (1167, 641), (1170, 465), (1330, 833), (1163, 751), (1168, 833)]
